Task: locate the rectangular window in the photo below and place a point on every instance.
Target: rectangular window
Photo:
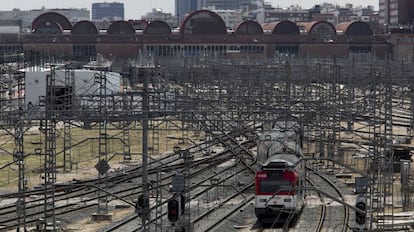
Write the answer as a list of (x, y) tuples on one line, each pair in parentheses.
[(287, 49), (10, 53), (272, 186), (84, 52), (360, 48)]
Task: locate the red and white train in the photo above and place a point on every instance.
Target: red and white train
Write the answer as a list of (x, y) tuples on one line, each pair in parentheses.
[(279, 196)]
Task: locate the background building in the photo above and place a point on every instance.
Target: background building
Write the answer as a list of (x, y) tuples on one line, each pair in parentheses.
[(183, 7), (396, 14), (224, 4), (107, 11), (269, 14), (158, 14), (230, 17), (25, 18)]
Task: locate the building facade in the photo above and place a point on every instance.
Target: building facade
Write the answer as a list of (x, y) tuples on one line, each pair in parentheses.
[(108, 11), (202, 33)]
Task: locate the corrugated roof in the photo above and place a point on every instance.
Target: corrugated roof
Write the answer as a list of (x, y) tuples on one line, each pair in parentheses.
[(282, 28), (52, 17), (157, 27), (84, 27), (354, 28), (121, 27), (203, 22), (318, 28), (248, 27)]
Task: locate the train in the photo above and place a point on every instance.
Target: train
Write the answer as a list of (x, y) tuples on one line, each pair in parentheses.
[(279, 196)]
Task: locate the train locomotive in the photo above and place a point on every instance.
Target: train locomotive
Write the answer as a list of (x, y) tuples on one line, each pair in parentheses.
[(279, 196)]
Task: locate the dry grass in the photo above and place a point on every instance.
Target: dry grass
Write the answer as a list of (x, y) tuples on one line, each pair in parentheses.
[(84, 154), (87, 225)]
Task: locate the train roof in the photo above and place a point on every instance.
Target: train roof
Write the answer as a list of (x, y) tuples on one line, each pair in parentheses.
[(285, 160), (276, 135), (281, 129), (286, 125)]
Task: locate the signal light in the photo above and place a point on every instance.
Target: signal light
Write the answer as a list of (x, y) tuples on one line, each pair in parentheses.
[(360, 216), (173, 210)]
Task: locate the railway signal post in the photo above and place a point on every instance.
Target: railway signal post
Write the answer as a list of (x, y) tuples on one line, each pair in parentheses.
[(174, 210), (361, 184), (175, 204), (360, 214), (180, 184)]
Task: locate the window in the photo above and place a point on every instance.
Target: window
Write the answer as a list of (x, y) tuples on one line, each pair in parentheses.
[(10, 53), (273, 186), (360, 48), (287, 49), (84, 51)]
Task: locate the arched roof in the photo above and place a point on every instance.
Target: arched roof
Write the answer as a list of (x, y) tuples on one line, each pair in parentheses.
[(121, 28), (282, 28), (203, 22), (52, 17), (354, 28), (84, 27), (157, 27), (248, 27), (49, 28), (319, 28)]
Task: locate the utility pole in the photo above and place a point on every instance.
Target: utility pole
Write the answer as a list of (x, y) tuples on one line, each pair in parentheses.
[(143, 200), (102, 166), (19, 154), (49, 222)]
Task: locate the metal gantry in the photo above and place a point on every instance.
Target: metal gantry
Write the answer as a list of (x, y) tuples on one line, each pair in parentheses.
[(68, 110), (19, 154), (49, 129), (330, 97), (102, 165), (145, 74)]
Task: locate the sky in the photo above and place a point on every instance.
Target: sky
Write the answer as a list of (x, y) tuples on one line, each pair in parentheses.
[(134, 9)]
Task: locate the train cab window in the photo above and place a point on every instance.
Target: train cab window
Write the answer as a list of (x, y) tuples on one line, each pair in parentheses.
[(272, 186)]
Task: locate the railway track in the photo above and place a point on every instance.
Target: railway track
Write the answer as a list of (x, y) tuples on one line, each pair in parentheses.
[(223, 214), (84, 200), (319, 214), (82, 189), (323, 207), (85, 191), (327, 219), (202, 187)]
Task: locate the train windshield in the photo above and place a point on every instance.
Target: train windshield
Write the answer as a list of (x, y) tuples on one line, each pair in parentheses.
[(273, 186)]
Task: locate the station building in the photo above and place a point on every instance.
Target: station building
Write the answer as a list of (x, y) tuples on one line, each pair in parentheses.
[(201, 33)]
